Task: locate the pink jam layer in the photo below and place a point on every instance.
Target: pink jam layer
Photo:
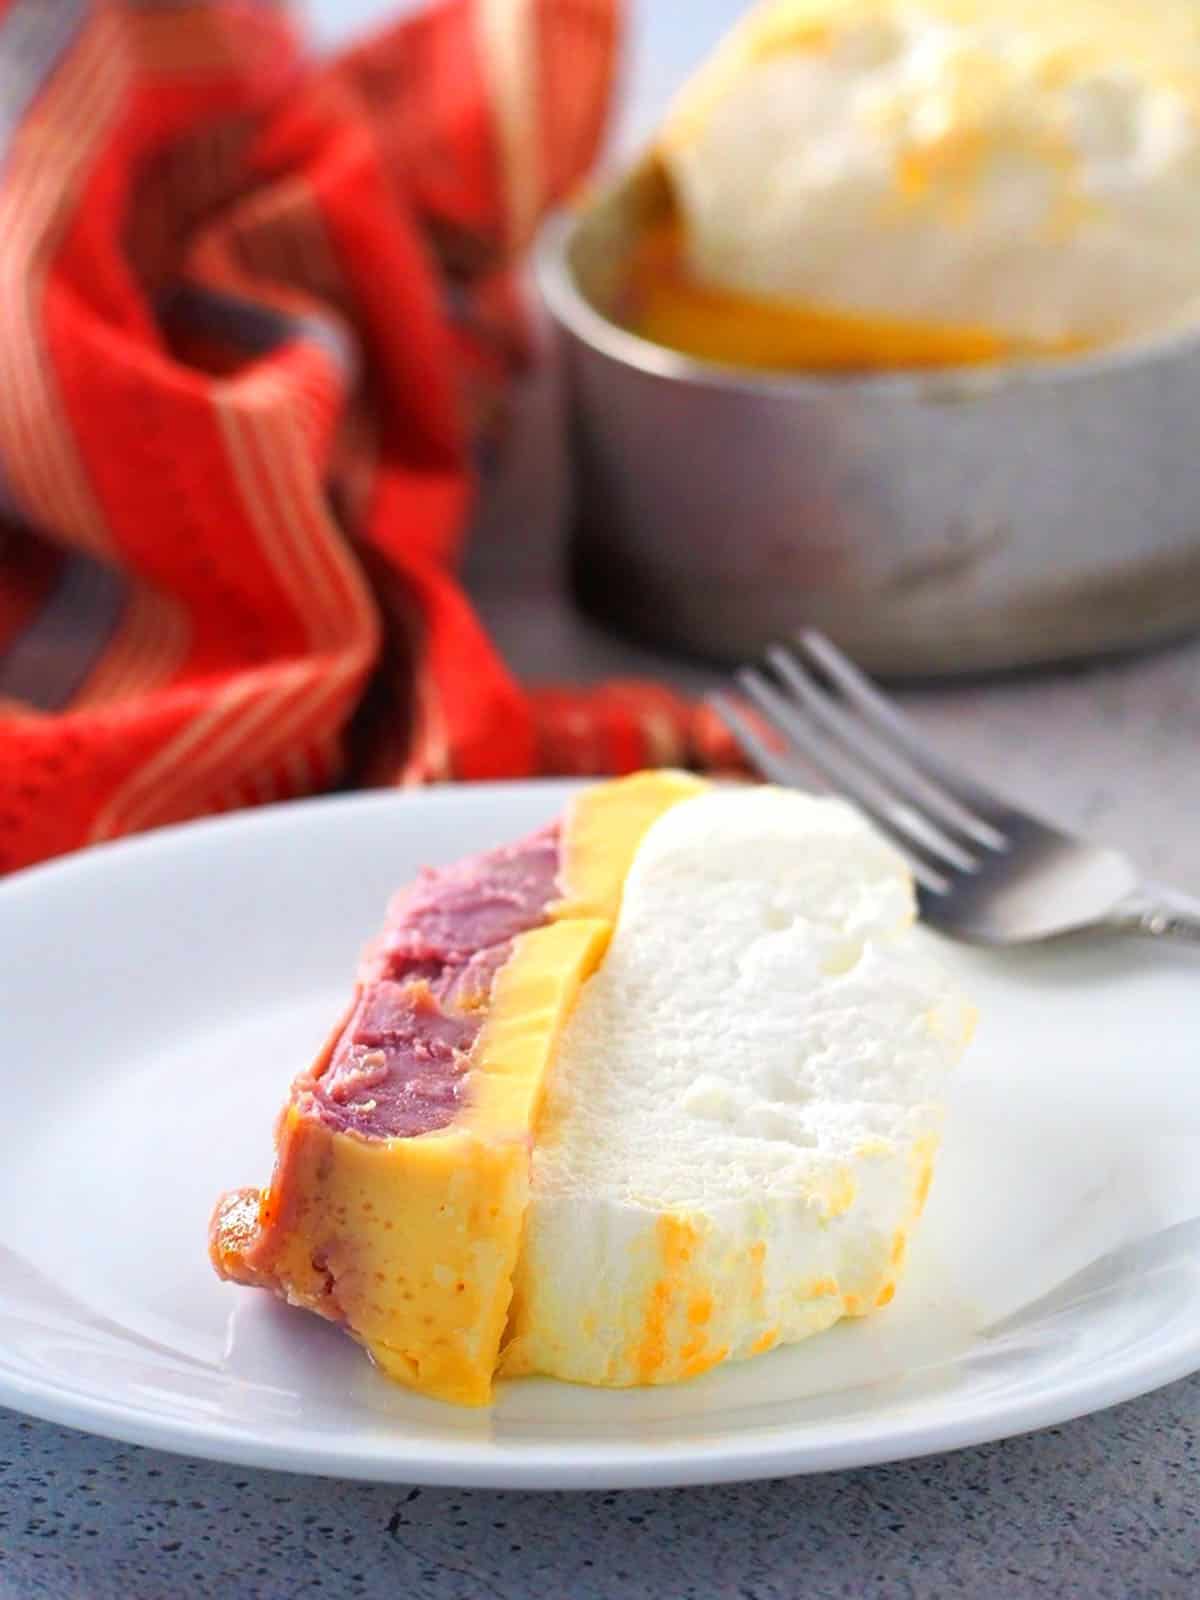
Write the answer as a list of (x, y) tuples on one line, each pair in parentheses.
[(399, 1067)]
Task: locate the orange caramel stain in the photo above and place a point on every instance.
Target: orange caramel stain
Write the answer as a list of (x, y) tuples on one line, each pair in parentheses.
[(852, 1305), (765, 1341), (899, 1244), (822, 1288), (704, 1362), (885, 1295), (677, 1240), (651, 1353), (758, 1255), (692, 1348), (923, 1187), (700, 1309)]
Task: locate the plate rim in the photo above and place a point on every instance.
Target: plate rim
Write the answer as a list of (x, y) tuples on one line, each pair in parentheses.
[(603, 1467)]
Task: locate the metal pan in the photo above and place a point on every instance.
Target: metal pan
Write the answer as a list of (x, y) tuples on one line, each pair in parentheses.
[(932, 523)]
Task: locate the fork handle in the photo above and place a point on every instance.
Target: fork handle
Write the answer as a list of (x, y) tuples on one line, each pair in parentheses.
[(1156, 912)]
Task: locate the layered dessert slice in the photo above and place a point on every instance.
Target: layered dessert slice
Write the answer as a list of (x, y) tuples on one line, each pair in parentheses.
[(401, 1179), (655, 1088)]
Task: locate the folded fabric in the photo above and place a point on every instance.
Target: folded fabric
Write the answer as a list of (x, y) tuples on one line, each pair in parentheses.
[(258, 316)]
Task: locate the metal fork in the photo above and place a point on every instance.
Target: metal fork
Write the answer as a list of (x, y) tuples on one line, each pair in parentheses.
[(986, 871)]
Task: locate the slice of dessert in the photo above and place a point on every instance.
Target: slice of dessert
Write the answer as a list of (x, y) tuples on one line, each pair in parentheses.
[(621, 1154), (401, 1179)]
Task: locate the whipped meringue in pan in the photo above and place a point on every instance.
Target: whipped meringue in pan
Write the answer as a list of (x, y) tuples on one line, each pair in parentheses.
[(934, 522)]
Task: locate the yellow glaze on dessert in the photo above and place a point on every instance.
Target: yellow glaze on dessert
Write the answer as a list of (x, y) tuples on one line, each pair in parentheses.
[(670, 307), (411, 1243)]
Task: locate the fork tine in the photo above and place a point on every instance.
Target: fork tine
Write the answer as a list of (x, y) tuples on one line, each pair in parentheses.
[(927, 854), (844, 769), (769, 762), (879, 755), (982, 808)]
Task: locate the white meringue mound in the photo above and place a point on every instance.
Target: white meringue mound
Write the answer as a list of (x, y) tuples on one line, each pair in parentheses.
[(743, 1114), (1029, 169)]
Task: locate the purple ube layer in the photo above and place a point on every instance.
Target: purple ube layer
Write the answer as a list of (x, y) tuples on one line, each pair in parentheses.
[(399, 1066)]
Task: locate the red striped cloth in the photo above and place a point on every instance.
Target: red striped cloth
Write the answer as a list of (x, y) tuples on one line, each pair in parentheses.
[(257, 313)]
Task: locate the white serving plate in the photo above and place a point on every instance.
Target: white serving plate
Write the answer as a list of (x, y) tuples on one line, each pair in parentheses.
[(156, 997)]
